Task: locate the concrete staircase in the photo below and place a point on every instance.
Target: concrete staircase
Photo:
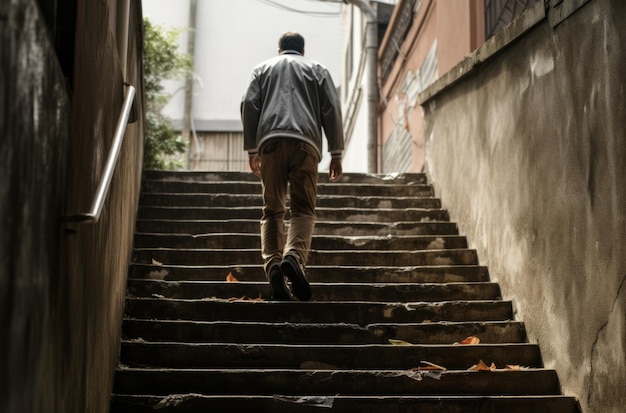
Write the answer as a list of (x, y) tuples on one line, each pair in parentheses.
[(394, 285)]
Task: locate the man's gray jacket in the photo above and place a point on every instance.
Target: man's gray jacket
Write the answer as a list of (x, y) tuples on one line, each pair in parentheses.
[(294, 97)]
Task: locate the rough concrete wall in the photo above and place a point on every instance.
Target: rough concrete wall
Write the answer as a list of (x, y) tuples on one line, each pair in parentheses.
[(34, 119), (98, 255), (528, 153), (62, 286)]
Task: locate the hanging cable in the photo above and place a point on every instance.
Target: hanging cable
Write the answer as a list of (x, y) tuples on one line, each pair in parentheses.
[(281, 6)]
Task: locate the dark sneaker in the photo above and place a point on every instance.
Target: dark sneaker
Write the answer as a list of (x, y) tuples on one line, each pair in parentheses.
[(294, 271), (278, 284)]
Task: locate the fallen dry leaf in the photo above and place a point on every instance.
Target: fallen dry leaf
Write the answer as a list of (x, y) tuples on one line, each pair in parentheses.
[(399, 342), (470, 340), (430, 366), (481, 366), (514, 367), (244, 298), (259, 298), (231, 278)]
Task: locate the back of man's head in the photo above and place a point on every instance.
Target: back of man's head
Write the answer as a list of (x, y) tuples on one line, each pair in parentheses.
[(291, 41)]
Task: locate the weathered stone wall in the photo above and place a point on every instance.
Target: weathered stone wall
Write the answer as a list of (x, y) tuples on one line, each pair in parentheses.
[(62, 285), (34, 117), (528, 151)]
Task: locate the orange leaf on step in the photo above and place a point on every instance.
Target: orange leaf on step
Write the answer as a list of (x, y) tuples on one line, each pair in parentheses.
[(471, 340), (231, 278), (259, 298), (481, 366), (430, 366)]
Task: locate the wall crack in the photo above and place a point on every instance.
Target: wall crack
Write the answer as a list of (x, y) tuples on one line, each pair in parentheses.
[(597, 337)]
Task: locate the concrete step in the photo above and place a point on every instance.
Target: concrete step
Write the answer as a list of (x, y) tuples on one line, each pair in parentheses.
[(279, 332), (316, 273), (320, 242), (332, 382), (173, 256), (219, 176), (360, 189), (193, 403), (323, 357), (317, 312), (323, 201), (323, 214), (321, 228), (398, 292), (194, 342)]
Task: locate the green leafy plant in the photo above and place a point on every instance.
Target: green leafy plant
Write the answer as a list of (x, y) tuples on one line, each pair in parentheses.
[(162, 61)]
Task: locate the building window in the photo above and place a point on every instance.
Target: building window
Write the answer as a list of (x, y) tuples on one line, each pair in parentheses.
[(499, 13), (400, 29)]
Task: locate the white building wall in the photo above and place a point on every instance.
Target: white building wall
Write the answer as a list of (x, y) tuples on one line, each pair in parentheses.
[(161, 12), (232, 37), (354, 97), (355, 155)]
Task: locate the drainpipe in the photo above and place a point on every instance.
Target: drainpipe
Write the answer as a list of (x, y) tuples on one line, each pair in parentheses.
[(194, 149), (371, 72)]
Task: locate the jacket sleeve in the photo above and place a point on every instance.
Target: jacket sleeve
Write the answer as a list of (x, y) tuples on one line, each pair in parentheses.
[(250, 114), (331, 115)]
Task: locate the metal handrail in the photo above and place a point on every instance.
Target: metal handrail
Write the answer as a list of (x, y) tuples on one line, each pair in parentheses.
[(93, 215)]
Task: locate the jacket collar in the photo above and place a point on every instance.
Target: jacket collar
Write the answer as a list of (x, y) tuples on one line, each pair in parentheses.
[(291, 52)]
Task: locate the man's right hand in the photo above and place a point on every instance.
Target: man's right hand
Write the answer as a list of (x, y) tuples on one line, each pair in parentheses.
[(255, 165), (336, 170)]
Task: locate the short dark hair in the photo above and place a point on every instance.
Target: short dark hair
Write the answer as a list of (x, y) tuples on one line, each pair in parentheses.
[(291, 41)]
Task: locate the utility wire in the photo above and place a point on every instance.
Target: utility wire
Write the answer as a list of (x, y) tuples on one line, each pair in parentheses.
[(308, 13)]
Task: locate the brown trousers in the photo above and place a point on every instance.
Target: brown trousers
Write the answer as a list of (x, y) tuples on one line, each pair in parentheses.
[(287, 164)]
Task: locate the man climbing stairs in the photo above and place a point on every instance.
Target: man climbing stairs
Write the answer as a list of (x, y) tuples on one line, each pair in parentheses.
[(402, 319)]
